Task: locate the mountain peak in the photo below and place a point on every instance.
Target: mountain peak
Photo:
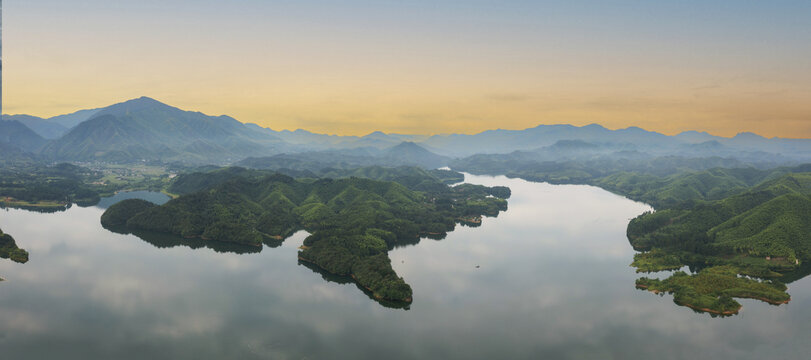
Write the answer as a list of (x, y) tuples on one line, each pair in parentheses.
[(408, 152), (748, 135), (138, 104), (134, 106), (693, 132), (408, 145), (595, 126), (143, 100), (695, 137), (634, 129), (376, 135)]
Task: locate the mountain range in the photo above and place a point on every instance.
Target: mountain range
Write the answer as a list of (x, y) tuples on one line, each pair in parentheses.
[(145, 129)]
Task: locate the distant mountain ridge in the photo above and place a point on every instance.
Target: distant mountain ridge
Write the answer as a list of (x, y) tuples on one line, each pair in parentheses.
[(15, 135), (53, 127), (145, 129), (409, 153), (75, 118), (403, 154), (43, 127)]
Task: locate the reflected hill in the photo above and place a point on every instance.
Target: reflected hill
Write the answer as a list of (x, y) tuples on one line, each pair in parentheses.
[(165, 241), (10, 250), (343, 280)]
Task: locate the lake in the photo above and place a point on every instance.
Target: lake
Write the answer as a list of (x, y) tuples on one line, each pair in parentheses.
[(549, 278)]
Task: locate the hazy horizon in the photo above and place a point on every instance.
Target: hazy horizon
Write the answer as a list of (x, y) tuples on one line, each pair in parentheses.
[(374, 130), (423, 67), (195, 179)]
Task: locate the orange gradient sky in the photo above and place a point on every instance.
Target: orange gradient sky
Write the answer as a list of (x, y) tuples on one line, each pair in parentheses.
[(422, 67)]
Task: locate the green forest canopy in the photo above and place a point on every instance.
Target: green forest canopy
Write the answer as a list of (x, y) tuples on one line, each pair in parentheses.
[(9, 249), (722, 222), (353, 221)]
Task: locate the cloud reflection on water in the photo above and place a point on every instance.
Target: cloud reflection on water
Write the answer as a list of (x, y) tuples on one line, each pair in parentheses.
[(553, 281)]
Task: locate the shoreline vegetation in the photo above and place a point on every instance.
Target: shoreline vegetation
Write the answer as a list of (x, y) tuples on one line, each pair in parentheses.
[(52, 188), (725, 208), (14, 203), (712, 290), (353, 222), (739, 246), (10, 250), (754, 220), (743, 232)]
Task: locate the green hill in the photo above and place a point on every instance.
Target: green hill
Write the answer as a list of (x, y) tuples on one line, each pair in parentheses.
[(779, 228), (671, 190), (409, 153), (763, 231), (412, 177), (764, 211), (353, 221), (9, 249)]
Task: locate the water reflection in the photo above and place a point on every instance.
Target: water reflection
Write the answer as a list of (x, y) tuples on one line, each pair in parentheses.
[(553, 282), (155, 197), (343, 280), (151, 196), (165, 241), (39, 209)]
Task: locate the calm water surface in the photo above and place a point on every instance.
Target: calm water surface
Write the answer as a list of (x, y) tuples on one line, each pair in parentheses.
[(552, 281)]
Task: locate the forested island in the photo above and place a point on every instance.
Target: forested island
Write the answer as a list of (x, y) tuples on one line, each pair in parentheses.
[(353, 221), (744, 232)]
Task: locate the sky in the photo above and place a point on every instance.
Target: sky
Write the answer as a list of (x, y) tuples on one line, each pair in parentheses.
[(427, 67)]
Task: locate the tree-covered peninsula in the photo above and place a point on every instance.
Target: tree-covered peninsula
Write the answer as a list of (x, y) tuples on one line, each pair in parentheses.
[(9, 249), (743, 231), (763, 232), (353, 221)]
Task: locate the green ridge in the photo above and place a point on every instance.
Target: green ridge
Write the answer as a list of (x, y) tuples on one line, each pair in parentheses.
[(353, 221)]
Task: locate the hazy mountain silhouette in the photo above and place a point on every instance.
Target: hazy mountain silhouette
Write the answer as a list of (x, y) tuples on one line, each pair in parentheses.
[(45, 128), (409, 153), (311, 141), (146, 129), (694, 137), (503, 141), (404, 154), (73, 119), (16, 135)]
